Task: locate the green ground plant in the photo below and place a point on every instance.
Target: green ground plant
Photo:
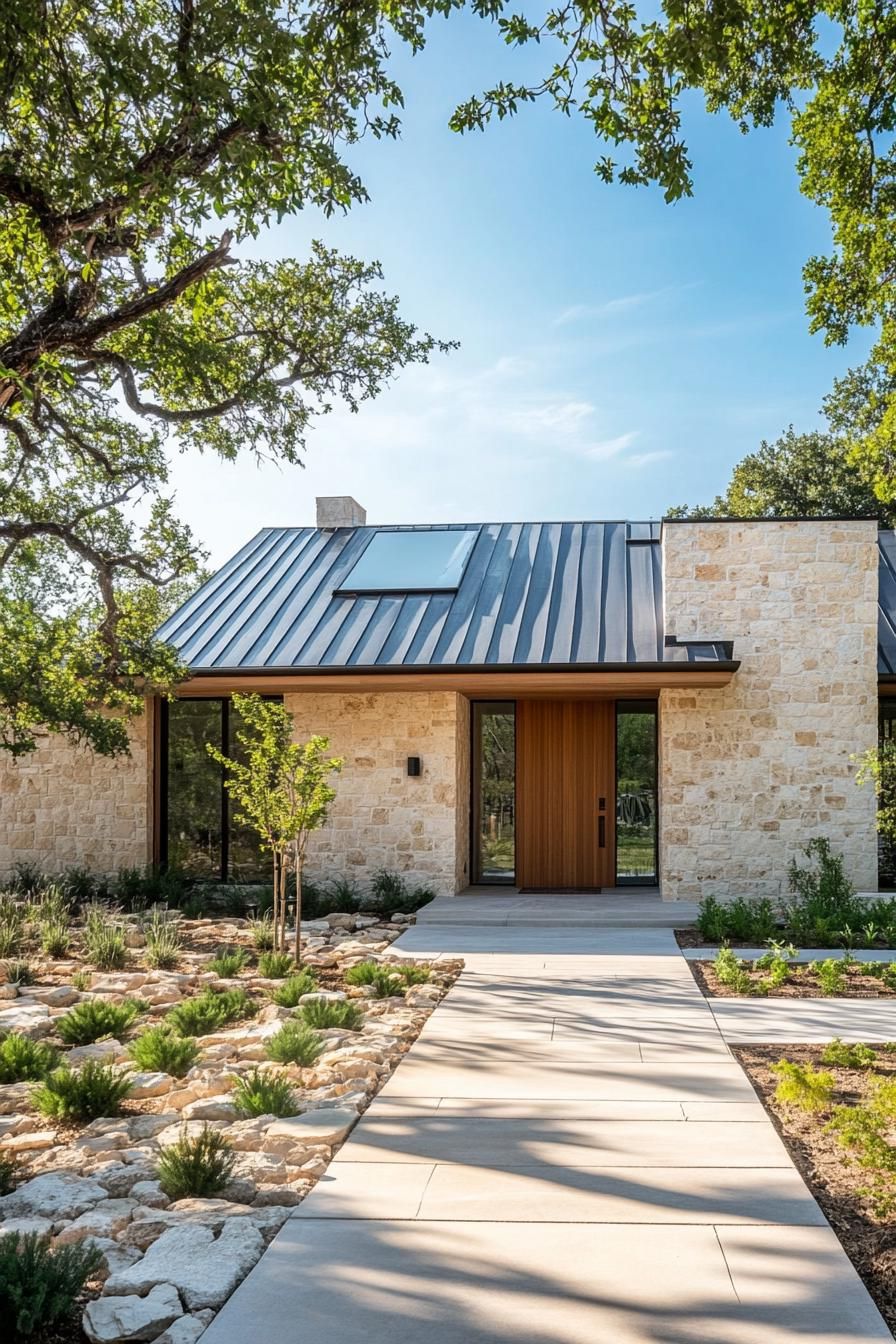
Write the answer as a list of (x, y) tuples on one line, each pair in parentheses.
[(831, 975), (40, 1283), (90, 1092), (81, 980), (228, 962), (294, 988), (295, 1043), (261, 931), (412, 974), (196, 1168), (209, 1011), (13, 925), (104, 941), (385, 981), (849, 1056), (275, 965), (802, 1086), (55, 939), (92, 1019), (264, 1092), (163, 943), (161, 1049), (325, 1014), (19, 973), (23, 1060), (732, 972)]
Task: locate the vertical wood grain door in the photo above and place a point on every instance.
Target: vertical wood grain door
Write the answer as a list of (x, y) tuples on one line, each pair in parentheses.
[(565, 794)]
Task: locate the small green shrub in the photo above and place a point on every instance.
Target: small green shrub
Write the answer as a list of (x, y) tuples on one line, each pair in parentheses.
[(858, 1056), (825, 901), (81, 886), (262, 1092), (293, 989), (275, 965), (162, 936), (23, 1060), (18, 973), (412, 974), (40, 1283), (741, 921), (261, 931), (228, 962), (104, 941), (27, 879), (389, 894), (385, 981), (13, 926), (92, 1019), (803, 1086), (161, 1050), (52, 905), (196, 1168), (325, 1013), (10, 1173), (209, 1011), (81, 980), (93, 1091), (731, 972), (295, 1043), (55, 939), (831, 975)]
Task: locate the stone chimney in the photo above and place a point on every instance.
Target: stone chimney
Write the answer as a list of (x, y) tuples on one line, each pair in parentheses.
[(339, 511)]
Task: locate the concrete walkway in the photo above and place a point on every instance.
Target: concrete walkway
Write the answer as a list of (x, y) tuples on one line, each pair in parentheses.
[(569, 1154)]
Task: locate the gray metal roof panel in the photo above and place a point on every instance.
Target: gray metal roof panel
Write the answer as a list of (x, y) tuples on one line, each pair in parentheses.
[(886, 604), (532, 594)]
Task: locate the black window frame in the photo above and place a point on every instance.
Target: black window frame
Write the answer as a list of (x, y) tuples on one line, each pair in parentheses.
[(163, 759)]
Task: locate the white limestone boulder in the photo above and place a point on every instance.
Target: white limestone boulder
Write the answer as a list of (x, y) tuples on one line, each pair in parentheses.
[(118, 1320), (204, 1269)]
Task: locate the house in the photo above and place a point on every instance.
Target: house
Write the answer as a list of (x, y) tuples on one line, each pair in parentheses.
[(555, 706)]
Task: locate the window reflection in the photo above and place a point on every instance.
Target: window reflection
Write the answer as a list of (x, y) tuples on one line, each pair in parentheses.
[(495, 789), (636, 792)]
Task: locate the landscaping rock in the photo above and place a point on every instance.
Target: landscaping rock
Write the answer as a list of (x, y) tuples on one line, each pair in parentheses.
[(211, 1108), (115, 1256), (150, 1085), (106, 1219), (30, 1141), (321, 1126), (42, 1227), (53, 1195), (185, 1331), (105, 1052), (150, 1194), (205, 1269), (112, 1320)]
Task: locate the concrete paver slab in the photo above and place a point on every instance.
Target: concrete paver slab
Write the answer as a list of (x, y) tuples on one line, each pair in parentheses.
[(560, 1143)]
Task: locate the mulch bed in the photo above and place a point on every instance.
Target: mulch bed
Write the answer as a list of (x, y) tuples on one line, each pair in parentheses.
[(802, 984), (833, 1176)]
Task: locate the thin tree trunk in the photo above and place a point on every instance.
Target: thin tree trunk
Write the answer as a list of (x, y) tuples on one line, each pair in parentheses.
[(284, 876), (297, 945), (275, 908)]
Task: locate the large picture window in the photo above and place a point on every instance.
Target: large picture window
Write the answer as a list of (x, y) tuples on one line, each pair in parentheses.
[(636, 859), (198, 833)]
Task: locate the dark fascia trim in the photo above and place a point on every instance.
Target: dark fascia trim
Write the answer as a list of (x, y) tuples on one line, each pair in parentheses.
[(440, 669), (886, 678), (404, 591), (782, 518)]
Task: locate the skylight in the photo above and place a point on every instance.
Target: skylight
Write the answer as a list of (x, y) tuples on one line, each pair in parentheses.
[(424, 561)]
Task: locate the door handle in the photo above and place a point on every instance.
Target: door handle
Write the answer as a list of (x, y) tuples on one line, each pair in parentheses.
[(602, 832)]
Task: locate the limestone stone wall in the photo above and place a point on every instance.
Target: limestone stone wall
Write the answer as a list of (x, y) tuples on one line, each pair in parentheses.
[(382, 818), (751, 771), (64, 805)]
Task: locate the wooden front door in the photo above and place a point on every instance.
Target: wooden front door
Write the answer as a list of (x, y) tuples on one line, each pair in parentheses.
[(565, 794)]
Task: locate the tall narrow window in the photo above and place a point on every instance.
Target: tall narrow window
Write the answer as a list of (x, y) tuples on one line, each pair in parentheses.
[(636, 792), (494, 791), (198, 833)]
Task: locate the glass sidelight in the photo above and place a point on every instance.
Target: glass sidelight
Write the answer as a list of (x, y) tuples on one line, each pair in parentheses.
[(636, 857), (494, 791)]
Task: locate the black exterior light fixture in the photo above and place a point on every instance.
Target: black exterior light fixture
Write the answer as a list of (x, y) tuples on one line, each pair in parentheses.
[(413, 766)]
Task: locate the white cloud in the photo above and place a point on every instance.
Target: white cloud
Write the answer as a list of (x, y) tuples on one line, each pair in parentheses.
[(623, 303), (644, 459), (606, 448)]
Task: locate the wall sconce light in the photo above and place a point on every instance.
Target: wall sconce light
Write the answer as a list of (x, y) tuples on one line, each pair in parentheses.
[(413, 766)]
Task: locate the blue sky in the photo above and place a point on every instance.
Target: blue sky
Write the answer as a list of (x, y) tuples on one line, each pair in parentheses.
[(618, 355)]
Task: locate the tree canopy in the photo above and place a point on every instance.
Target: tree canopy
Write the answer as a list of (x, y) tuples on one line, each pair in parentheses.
[(143, 143), (797, 476)]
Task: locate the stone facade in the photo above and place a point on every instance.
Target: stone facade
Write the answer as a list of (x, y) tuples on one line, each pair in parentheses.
[(64, 805), (751, 771), (382, 817)]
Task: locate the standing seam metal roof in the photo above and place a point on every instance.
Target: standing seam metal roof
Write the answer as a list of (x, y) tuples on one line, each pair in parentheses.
[(532, 594)]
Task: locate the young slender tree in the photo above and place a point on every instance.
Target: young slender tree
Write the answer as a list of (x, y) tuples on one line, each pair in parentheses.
[(281, 789)]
